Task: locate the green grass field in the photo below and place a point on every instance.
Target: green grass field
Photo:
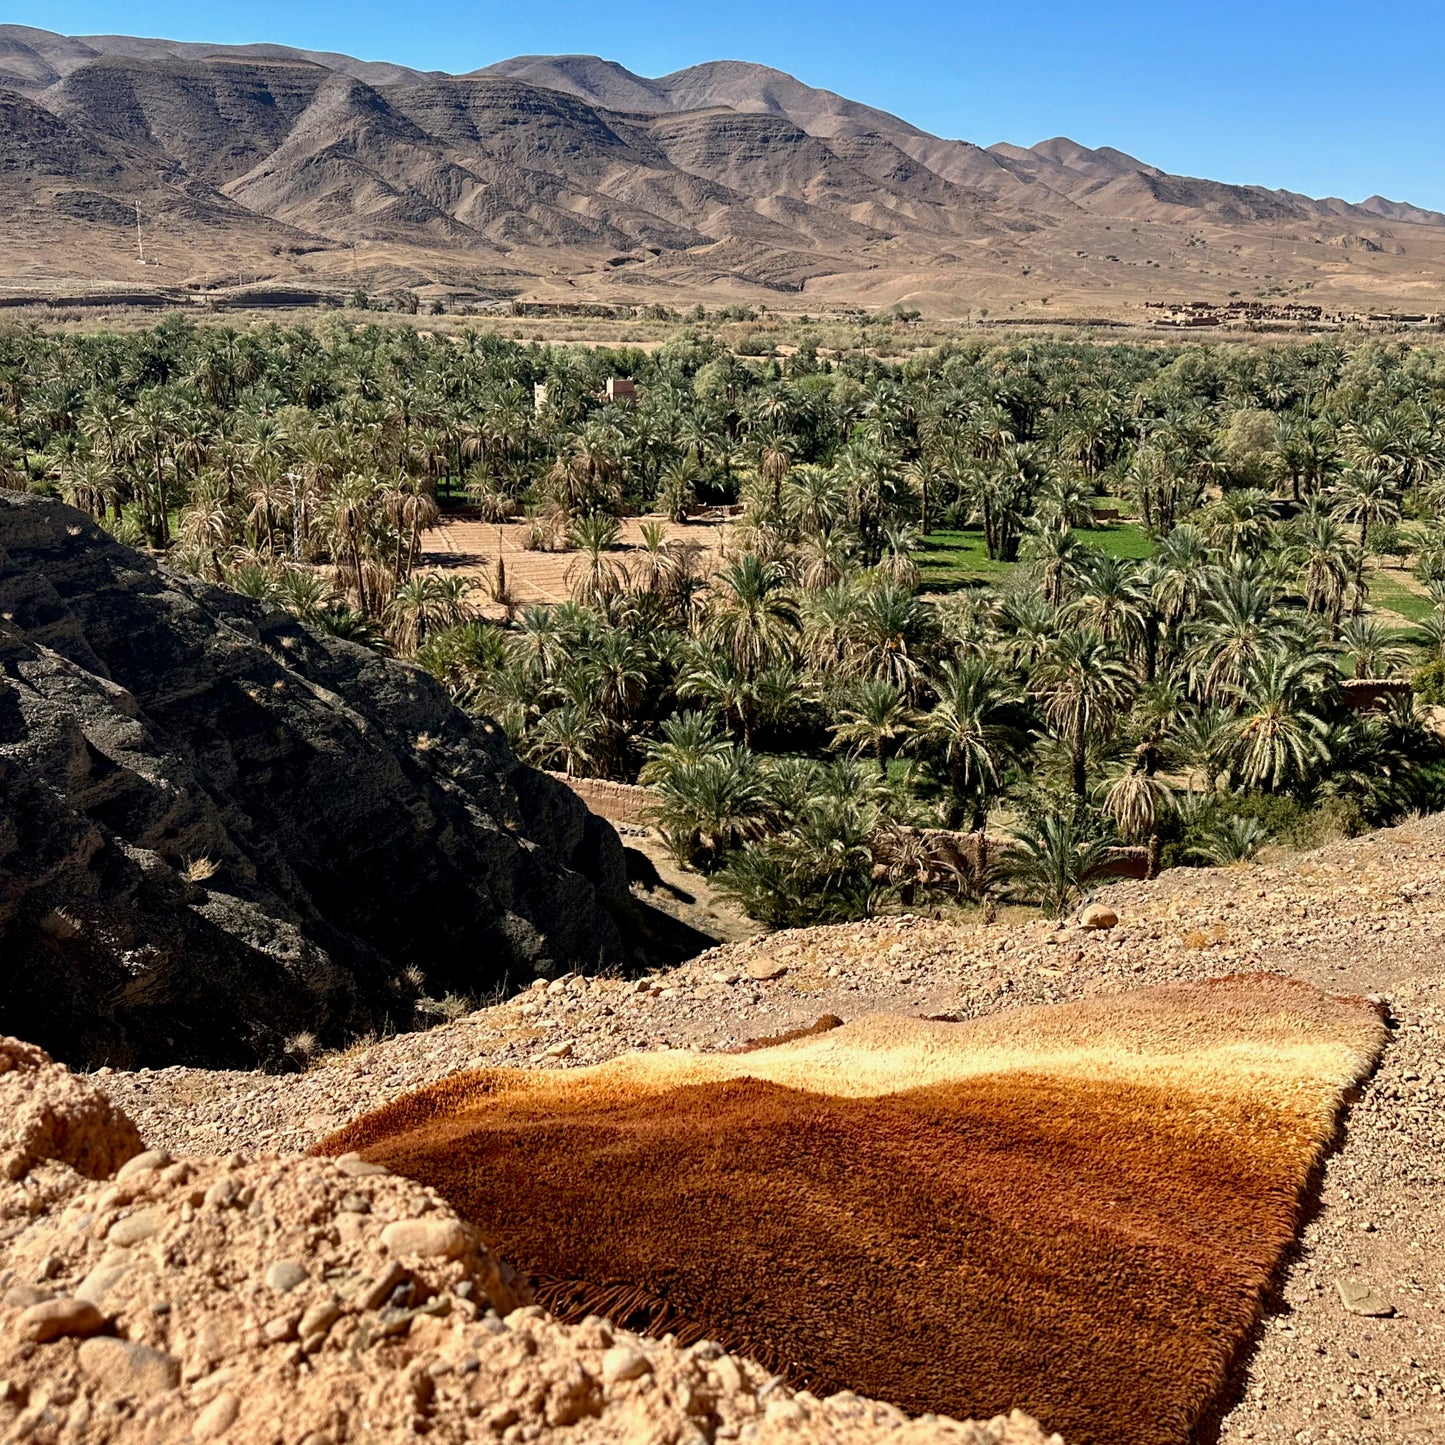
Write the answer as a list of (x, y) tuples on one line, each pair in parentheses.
[(952, 560), (1387, 591)]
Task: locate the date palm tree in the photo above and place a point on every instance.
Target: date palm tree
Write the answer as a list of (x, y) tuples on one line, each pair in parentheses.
[(978, 729), (751, 613), (1082, 687), (1365, 496), (875, 718), (1053, 863), (1277, 736), (1322, 553)]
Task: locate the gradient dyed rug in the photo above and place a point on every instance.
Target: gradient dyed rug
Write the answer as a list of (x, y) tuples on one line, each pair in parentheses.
[(1075, 1210)]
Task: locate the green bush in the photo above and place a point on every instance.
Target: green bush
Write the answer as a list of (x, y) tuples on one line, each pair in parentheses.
[(1429, 683)]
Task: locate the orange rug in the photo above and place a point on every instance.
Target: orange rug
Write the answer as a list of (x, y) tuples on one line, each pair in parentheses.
[(1074, 1210)]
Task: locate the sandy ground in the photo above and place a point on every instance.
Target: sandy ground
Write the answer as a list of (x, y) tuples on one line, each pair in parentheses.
[(1365, 916), (460, 545)]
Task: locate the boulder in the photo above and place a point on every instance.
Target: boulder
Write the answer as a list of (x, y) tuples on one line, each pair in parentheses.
[(221, 829), (1098, 915)]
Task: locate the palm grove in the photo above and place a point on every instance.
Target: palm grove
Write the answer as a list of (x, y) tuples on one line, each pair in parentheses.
[(797, 705)]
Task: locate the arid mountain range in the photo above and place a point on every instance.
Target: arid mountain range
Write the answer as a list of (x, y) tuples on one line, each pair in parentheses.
[(570, 179)]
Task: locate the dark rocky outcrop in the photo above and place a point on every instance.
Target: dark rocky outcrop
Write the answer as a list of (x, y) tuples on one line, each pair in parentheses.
[(219, 829)]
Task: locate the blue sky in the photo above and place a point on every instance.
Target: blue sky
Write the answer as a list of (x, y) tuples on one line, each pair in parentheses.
[(1334, 97)]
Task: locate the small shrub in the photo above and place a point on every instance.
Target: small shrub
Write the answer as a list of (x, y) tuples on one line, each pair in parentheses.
[(303, 1046), (1429, 683)]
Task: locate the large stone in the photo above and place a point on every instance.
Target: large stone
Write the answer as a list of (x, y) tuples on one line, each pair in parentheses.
[(217, 1417), (1098, 915), (58, 1319), (1363, 1299), (222, 829), (135, 1228), (126, 1371), (430, 1238), (622, 1363)]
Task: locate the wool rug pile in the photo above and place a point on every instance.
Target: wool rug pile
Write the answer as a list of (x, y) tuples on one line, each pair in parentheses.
[(1074, 1210)]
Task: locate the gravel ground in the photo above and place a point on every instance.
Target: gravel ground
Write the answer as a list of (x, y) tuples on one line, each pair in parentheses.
[(1365, 916)]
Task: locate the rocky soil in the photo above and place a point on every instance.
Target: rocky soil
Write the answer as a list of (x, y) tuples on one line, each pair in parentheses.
[(1353, 1349), (149, 1298)]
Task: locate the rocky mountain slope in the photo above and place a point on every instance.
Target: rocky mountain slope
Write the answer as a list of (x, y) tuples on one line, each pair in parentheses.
[(570, 178), (220, 829)]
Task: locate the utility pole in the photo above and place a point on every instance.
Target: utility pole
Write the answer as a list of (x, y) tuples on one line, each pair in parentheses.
[(139, 240)]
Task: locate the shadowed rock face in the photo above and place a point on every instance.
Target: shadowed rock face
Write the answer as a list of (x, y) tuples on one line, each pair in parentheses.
[(218, 828)]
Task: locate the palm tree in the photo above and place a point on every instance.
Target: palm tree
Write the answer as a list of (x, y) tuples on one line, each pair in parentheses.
[(1053, 863), (876, 717), (567, 735), (1083, 687), (1240, 522), (687, 739), (1371, 649), (593, 576), (1277, 735), (617, 673), (423, 604), (1056, 562), (1240, 625), (977, 726), (1365, 496), (1322, 553), (677, 488), (88, 482), (888, 637), (1002, 491), (1233, 840), (712, 678), (706, 808), (751, 614)]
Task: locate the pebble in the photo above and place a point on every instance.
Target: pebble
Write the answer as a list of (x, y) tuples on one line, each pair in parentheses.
[(355, 1167), (143, 1164), (622, 1363), (124, 1370), (317, 1321), (101, 1280), (22, 1296), (136, 1228), (285, 1275), (217, 1417)]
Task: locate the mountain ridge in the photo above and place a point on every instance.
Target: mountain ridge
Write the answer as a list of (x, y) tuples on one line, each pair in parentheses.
[(572, 179)]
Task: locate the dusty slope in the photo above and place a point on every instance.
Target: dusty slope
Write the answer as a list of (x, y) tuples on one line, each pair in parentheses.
[(1366, 916), (892, 1176)]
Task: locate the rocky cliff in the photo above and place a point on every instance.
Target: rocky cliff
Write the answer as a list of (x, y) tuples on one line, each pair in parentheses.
[(219, 829)]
